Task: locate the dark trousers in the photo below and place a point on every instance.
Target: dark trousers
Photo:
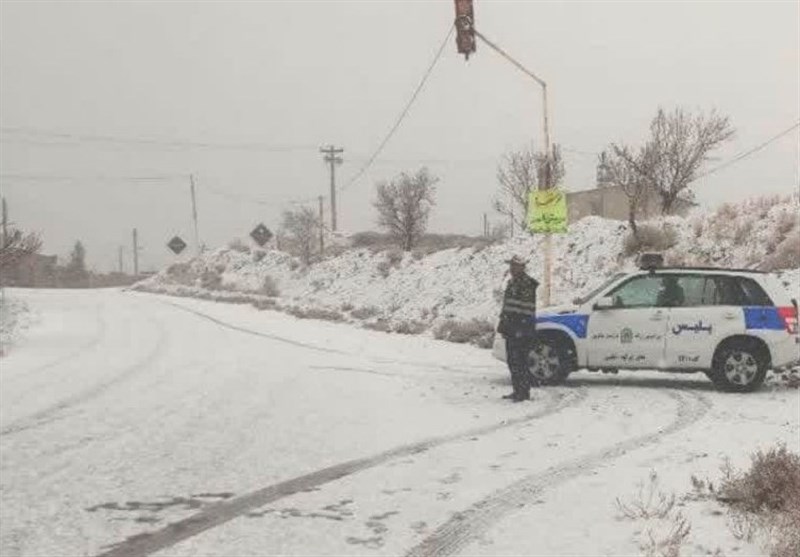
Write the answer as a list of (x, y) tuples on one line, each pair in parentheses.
[(518, 358)]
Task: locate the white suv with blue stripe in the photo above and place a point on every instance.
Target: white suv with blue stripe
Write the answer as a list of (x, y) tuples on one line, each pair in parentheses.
[(731, 324)]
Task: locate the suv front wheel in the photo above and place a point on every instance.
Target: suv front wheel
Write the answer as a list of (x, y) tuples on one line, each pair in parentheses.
[(739, 368), (548, 362)]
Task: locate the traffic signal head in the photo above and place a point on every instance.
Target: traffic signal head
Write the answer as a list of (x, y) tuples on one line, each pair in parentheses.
[(465, 27)]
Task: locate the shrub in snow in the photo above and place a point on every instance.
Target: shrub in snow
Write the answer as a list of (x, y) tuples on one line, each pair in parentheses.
[(265, 304), (320, 314), (410, 327), (269, 287), (649, 238), (238, 245), (476, 331), (367, 312), (766, 498), (211, 279), (786, 254), (381, 325)]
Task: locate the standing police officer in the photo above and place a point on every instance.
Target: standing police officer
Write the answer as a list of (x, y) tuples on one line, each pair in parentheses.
[(518, 327)]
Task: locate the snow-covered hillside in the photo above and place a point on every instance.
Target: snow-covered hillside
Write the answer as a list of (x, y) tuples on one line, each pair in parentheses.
[(412, 292)]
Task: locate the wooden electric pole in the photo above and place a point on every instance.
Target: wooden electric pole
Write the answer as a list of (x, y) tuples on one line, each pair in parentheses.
[(321, 226), (121, 267), (332, 158), (194, 215), (135, 253)]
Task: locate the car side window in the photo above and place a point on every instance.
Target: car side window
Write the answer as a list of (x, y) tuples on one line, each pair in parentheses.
[(639, 292), (729, 292), (754, 294)]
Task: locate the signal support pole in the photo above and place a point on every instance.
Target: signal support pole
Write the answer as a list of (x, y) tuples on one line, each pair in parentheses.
[(547, 183), (332, 158)]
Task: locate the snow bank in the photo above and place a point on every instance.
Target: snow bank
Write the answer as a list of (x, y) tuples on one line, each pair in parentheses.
[(14, 318), (410, 292)]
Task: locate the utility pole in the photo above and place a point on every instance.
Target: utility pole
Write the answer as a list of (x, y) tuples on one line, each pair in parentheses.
[(119, 253), (321, 226), (332, 158), (485, 226), (135, 253), (194, 215)]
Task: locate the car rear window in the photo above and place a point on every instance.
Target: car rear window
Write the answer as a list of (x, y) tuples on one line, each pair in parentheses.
[(754, 294)]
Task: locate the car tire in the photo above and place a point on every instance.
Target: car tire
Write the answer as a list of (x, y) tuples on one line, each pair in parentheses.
[(739, 368), (548, 362)]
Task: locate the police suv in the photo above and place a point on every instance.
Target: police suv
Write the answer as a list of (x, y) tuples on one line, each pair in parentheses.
[(731, 324)]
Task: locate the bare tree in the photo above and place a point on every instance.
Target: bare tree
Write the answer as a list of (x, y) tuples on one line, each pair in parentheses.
[(680, 144), (521, 172), (404, 205), (302, 227), (16, 247), (622, 168)]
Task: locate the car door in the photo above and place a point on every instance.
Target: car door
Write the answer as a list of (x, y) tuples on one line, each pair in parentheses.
[(631, 334), (711, 311)]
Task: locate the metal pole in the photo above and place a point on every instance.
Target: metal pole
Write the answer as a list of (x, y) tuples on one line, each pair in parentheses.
[(548, 241), (321, 227), (194, 215), (135, 254), (119, 253), (5, 223)]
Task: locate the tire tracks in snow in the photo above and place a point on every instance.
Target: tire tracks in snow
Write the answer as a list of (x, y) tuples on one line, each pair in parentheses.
[(467, 526), (220, 513), (299, 344), (46, 415)]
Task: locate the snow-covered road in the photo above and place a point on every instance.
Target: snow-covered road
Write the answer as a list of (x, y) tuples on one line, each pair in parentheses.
[(135, 424)]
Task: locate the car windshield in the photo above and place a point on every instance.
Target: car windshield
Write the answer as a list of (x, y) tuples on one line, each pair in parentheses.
[(585, 298)]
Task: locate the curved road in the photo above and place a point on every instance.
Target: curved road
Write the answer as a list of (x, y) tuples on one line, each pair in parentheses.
[(134, 424)]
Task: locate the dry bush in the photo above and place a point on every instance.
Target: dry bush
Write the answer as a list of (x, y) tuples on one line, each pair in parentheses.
[(476, 331), (384, 268), (670, 544), (347, 307), (319, 314), (394, 257), (766, 498), (269, 287), (741, 231), (367, 312), (649, 238), (381, 325), (648, 502), (787, 221), (238, 245), (258, 255), (785, 255), (265, 304), (697, 227), (410, 327), (771, 484), (211, 279)]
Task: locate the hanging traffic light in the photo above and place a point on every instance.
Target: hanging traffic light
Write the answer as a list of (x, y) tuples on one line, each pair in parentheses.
[(465, 27)]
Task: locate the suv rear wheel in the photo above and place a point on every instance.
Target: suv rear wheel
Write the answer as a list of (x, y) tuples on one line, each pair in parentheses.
[(739, 368), (548, 362)]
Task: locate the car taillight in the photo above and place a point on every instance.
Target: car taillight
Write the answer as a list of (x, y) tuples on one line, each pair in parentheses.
[(789, 316)]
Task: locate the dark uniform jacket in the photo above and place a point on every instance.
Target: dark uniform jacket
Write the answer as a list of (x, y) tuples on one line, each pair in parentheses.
[(518, 316)]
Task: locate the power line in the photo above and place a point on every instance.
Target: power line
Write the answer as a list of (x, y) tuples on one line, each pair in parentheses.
[(101, 178), (32, 132), (749, 152), (403, 113)]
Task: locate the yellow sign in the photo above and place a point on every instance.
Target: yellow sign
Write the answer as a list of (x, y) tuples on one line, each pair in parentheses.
[(547, 211)]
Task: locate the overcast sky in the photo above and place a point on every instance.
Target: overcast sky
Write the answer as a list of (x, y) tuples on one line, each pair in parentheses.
[(267, 83)]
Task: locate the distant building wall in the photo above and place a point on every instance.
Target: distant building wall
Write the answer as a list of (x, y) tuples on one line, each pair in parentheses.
[(611, 202)]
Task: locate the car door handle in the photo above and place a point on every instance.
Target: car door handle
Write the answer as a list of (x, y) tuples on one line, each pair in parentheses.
[(657, 316), (729, 315)]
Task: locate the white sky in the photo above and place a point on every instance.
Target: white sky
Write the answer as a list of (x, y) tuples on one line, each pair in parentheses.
[(317, 72)]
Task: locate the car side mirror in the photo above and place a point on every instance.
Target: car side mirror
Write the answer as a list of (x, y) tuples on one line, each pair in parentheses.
[(606, 302)]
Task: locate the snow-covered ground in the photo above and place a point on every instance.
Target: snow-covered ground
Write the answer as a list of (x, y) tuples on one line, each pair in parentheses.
[(417, 293), (15, 318), (137, 424)]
